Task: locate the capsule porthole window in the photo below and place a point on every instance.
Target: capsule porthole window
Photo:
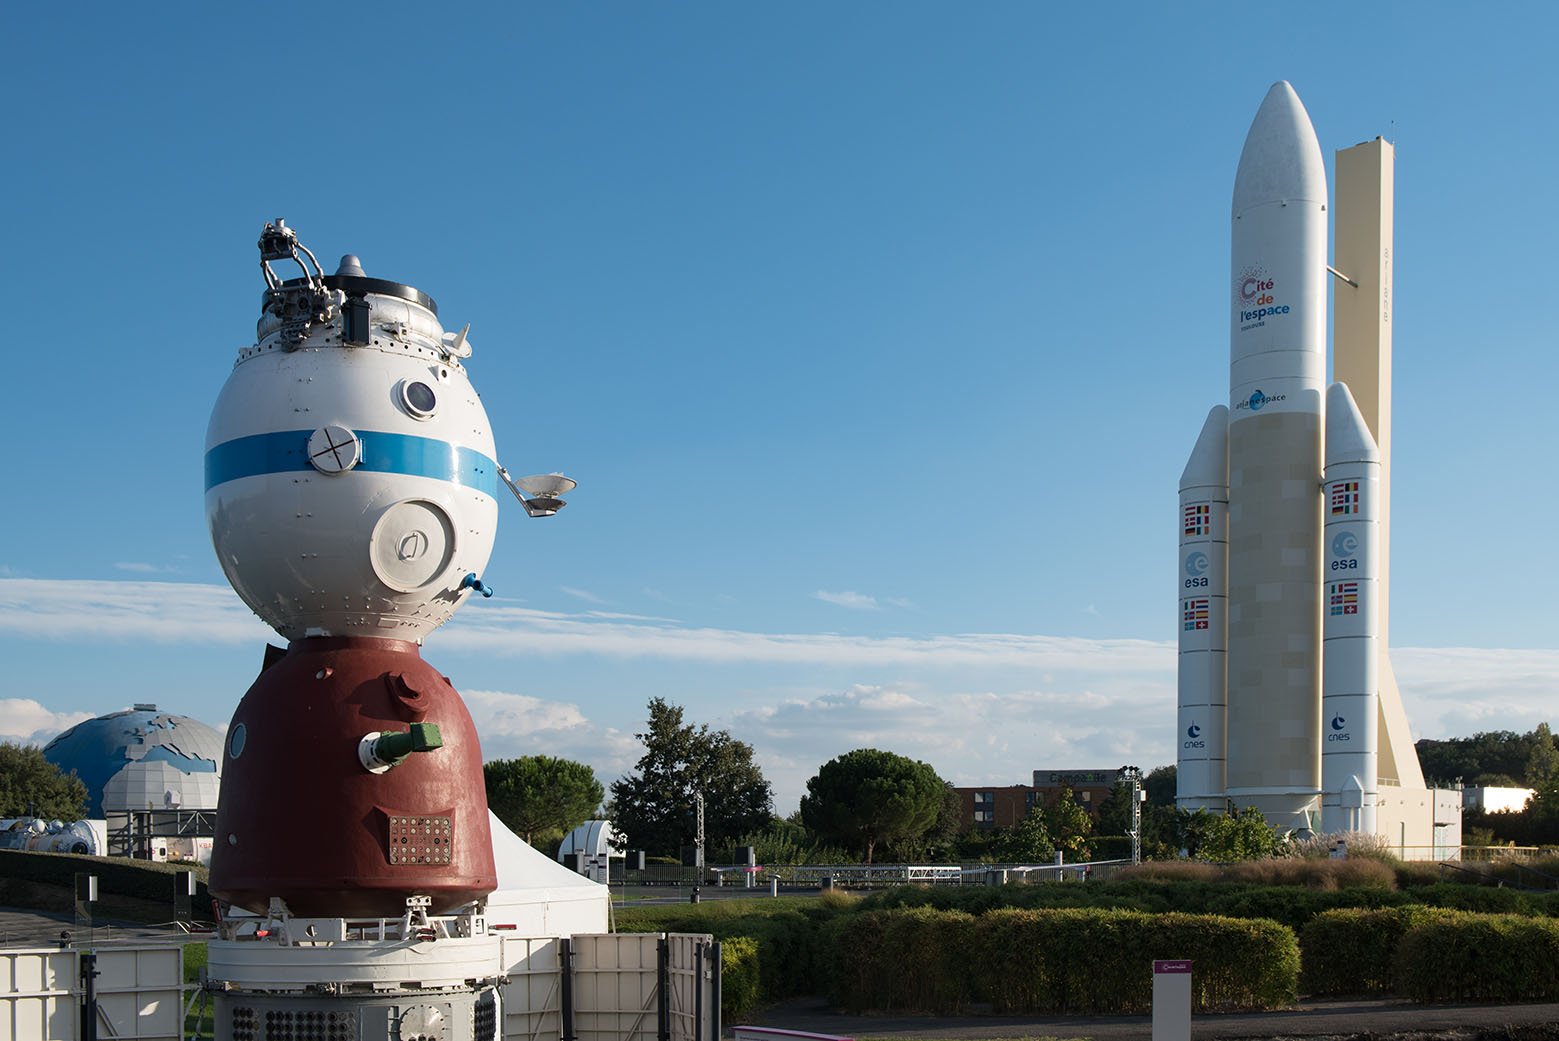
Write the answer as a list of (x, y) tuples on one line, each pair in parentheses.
[(418, 399)]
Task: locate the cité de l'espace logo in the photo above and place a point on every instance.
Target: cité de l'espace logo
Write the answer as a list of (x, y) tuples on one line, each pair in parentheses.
[(1254, 297)]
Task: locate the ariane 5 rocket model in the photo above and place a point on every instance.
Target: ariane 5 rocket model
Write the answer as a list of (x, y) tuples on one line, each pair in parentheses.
[(351, 494), (1281, 640)]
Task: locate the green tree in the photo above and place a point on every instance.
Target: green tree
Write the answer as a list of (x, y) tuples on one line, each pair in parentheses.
[(654, 806), (937, 842), (1069, 825), (788, 842), (1028, 843), (31, 786), (1464, 758), (1542, 765), (866, 797), (1223, 838), (537, 794), (1115, 811), (1160, 785)]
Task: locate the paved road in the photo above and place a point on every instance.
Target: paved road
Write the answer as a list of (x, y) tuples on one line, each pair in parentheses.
[(1313, 1020), (21, 927)]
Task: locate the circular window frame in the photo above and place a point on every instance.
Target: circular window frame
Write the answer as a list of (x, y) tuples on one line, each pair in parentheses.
[(413, 410)]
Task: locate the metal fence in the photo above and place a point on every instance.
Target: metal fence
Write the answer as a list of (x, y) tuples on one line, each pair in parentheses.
[(859, 876), (61, 994), (640, 987)]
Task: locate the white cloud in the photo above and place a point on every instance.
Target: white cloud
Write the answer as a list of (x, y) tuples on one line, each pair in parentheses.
[(513, 725), (142, 568), (620, 616), (179, 611), (162, 612), (971, 738), (981, 707), (1458, 691), (26, 722), (513, 631), (581, 594), (520, 715), (846, 598)]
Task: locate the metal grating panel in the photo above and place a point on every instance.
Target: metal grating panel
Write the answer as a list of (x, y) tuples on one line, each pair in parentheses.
[(421, 840), (308, 1025)]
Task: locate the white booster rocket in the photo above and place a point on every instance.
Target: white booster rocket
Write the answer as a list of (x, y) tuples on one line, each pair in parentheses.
[(1264, 556)]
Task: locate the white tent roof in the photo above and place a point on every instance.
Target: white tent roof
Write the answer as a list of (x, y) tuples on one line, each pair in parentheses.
[(537, 895)]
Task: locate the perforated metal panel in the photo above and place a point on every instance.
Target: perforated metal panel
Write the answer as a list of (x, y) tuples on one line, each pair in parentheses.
[(421, 840)]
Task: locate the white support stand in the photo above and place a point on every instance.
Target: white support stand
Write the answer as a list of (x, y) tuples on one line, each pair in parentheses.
[(1172, 1001)]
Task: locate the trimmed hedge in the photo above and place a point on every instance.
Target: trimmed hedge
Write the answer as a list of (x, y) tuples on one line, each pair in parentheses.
[(1487, 958), (116, 876), (913, 960), (1293, 906), (786, 937), (1067, 961), (900, 952), (1352, 951), (738, 977)]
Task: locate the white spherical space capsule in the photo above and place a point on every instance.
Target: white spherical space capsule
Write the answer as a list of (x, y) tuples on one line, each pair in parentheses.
[(351, 476)]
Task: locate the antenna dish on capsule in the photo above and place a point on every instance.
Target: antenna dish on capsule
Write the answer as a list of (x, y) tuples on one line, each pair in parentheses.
[(543, 490)]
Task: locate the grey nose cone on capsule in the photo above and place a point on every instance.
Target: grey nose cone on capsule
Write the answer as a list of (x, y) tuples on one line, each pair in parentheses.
[(350, 265)]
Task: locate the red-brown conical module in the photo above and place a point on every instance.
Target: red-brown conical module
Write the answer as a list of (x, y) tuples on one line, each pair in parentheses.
[(308, 814)]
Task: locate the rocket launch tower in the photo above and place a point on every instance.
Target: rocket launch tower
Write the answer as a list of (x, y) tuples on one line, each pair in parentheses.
[(1287, 701)]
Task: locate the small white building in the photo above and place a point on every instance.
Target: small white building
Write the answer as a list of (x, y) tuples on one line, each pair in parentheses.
[(596, 842), (1496, 800)]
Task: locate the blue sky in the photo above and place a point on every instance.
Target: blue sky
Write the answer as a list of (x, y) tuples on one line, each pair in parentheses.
[(876, 335)]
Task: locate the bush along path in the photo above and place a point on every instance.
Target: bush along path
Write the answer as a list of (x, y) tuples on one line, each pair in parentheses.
[(916, 951)]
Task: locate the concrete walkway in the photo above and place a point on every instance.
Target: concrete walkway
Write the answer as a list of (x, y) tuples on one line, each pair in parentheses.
[(20, 927), (1310, 1019)]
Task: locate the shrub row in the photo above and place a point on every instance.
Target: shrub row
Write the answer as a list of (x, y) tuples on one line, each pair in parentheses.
[(1081, 960), (739, 988), (1292, 906), (116, 876), (1465, 957), (1352, 951), (1056, 961), (776, 948)]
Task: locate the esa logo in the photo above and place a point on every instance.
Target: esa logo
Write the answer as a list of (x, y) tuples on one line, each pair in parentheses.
[(1339, 729), (1196, 570), (1344, 545), (1194, 733)]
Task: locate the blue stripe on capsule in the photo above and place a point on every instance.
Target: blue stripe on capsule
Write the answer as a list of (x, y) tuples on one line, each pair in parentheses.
[(287, 451)]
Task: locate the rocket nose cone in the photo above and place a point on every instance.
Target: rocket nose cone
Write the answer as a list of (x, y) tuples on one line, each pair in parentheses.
[(1281, 161), (350, 265), (1348, 438), (1209, 462)]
